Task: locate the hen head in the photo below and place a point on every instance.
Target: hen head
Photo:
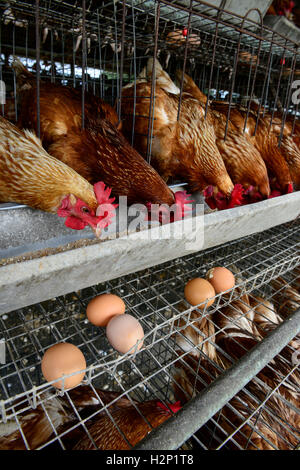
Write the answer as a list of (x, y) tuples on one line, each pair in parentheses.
[(241, 196), (78, 214), (177, 211), (217, 200)]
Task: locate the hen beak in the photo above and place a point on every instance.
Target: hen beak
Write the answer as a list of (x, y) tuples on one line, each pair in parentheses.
[(98, 231)]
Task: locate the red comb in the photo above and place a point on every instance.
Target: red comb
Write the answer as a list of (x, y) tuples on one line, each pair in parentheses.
[(182, 200), (173, 407), (276, 191), (103, 194), (106, 209), (181, 208), (236, 198), (220, 201)]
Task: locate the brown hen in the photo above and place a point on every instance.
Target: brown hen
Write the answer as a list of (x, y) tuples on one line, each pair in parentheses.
[(265, 140), (242, 160), (236, 330), (184, 148), (97, 152), (29, 175), (290, 143), (134, 420)]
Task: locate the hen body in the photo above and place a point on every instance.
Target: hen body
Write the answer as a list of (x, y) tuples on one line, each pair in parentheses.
[(264, 139), (186, 148), (29, 175), (242, 160), (242, 325), (134, 419), (290, 144), (97, 152)]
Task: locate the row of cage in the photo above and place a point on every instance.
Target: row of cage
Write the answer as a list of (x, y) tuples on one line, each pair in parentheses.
[(104, 47)]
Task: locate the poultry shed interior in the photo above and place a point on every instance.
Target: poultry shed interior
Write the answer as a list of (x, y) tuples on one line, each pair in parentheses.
[(167, 102)]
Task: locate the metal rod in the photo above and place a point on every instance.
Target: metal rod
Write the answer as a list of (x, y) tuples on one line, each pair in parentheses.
[(276, 98), (213, 59), (83, 62), (184, 60), (153, 86), (200, 409), (100, 56), (37, 45), (122, 58), (134, 73)]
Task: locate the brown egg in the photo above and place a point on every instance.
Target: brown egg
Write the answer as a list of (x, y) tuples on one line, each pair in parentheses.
[(103, 307), (63, 359), (123, 331), (199, 290), (221, 279)]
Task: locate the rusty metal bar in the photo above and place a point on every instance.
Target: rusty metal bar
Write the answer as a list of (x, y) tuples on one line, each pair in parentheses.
[(153, 85), (83, 62), (38, 58), (122, 58), (184, 59), (134, 74)]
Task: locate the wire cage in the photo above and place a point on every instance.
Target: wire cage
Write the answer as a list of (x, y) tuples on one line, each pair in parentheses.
[(100, 48), (185, 350), (103, 47)]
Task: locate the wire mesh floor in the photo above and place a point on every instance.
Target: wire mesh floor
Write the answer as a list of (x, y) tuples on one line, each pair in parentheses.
[(184, 350)]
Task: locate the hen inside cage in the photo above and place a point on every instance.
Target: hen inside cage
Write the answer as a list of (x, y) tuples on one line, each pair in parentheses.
[(166, 81), (205, 99), (185, 350)]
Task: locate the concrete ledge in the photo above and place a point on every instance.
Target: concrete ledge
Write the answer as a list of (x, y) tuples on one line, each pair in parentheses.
[(35, 280)]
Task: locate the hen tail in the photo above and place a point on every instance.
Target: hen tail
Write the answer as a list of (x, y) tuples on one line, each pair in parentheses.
[(25, 79)]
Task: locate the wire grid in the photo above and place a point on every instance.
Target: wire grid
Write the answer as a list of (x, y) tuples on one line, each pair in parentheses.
[(234, 56), (107, 25), (57, 12), (260, 417), (155, 297)]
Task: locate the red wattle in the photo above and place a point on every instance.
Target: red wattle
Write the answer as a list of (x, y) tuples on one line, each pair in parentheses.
[(174, 407), (182, 202), (75, 223)]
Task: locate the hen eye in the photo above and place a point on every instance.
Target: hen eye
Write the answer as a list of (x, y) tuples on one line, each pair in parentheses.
[(85, 209)]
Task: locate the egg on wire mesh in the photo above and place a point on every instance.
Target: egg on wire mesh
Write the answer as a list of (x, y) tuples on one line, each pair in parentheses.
[(63, 359), (102, 308), (123, 332), (199, 291), (221, 279)]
